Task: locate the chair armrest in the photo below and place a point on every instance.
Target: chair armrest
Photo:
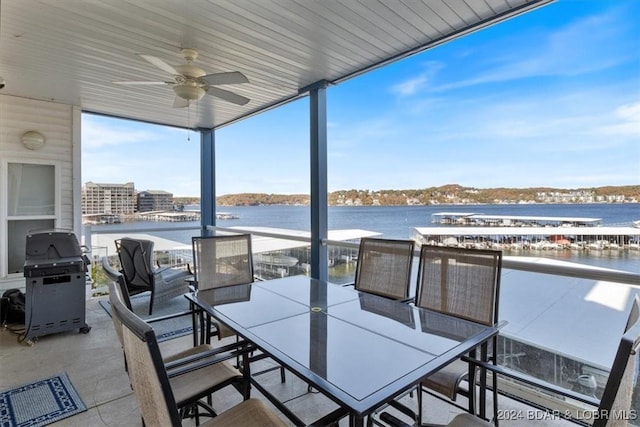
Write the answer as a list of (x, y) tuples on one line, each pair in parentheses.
[(207, 358), (181, 264), (392, 420), (532, 381), (169, 316), (162, 268)]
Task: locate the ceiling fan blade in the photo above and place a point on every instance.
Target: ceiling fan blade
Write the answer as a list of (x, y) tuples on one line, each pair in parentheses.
[(234, 98), (159, 63), (180, 102), (142, 83), (233, 77)]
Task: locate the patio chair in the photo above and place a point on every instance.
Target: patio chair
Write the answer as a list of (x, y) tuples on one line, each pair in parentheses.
[(170, 351), (136, 259), (111, 272), (222, 260), (155, 390), (618, 405), (219, 261), (194, 373), (463, 283), (384, 267)]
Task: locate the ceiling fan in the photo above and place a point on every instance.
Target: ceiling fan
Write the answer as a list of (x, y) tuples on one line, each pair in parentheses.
[(191, 83)]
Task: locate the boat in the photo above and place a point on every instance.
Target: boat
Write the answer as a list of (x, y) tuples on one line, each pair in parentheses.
[(226, 215), (276, 260), (598, 245)]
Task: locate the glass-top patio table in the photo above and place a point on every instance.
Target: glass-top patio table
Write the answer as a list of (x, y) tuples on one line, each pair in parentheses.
[(358, 349)]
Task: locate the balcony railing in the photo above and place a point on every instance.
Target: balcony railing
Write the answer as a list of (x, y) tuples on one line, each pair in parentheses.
[(572, 285)]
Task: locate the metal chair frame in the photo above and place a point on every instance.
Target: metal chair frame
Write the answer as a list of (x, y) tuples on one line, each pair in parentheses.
[(453, 290)]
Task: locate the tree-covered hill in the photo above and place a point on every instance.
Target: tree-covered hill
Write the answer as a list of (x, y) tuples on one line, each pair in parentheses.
[(446, 194)]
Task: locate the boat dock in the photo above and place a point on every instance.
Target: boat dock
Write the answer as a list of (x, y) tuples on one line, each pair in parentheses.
[(537, 238), (165, 216), (481, 220)]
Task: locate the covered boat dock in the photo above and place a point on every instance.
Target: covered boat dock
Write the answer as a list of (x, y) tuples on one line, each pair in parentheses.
[(587, 238), (476, 219)]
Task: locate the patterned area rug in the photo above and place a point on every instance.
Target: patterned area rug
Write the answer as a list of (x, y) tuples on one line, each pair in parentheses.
[(40, 403), (166, 329)]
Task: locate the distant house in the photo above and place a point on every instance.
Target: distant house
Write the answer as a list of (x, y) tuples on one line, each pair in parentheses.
[(155, 200)]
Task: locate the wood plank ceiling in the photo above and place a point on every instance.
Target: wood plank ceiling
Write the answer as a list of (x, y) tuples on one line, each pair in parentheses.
[(72, 51)]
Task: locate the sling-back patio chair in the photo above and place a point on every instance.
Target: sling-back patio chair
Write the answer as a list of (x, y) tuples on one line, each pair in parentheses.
[(141, 275), (156, 393), (620, 401), (221, 261), (218, 261), (384, 267), (464, 283), (170, 351), (194, 373)]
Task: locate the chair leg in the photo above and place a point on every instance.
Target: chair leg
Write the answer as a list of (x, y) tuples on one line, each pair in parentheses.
[(494, 380), (194, 325), (419, 393), (246, 376), (495, 399), (151, 304)]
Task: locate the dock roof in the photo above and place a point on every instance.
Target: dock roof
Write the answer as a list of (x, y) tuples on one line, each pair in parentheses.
[(518, 217), (528, 231)]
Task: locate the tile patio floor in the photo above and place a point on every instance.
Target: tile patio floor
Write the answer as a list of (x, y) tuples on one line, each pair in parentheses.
[(95, 366)]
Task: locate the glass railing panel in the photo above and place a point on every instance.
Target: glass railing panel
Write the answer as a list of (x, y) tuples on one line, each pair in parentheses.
[(274, 257), (562, 328), (172, 244), (342, 264), (272, 264)]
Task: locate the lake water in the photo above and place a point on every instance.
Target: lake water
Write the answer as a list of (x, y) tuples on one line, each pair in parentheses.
[(536, 306), (400, 221)]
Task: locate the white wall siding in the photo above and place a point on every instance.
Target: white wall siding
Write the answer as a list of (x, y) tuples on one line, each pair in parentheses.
[(56, 122)]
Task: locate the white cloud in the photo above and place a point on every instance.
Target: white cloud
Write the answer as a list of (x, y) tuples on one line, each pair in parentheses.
[(624, 121), (409, 87), (574, 49), (421, 81), (98, 133), (629, 112)]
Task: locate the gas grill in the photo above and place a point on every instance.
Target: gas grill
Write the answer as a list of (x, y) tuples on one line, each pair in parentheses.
[(54, 269)]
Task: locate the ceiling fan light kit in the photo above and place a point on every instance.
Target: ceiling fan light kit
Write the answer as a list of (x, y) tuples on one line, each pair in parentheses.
[(189, 92)]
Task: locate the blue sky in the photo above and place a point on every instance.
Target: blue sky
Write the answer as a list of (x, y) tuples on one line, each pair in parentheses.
[(551, 98)]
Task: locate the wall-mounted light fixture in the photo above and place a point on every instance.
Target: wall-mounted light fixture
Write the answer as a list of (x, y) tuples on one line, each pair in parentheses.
[(33, 140)]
